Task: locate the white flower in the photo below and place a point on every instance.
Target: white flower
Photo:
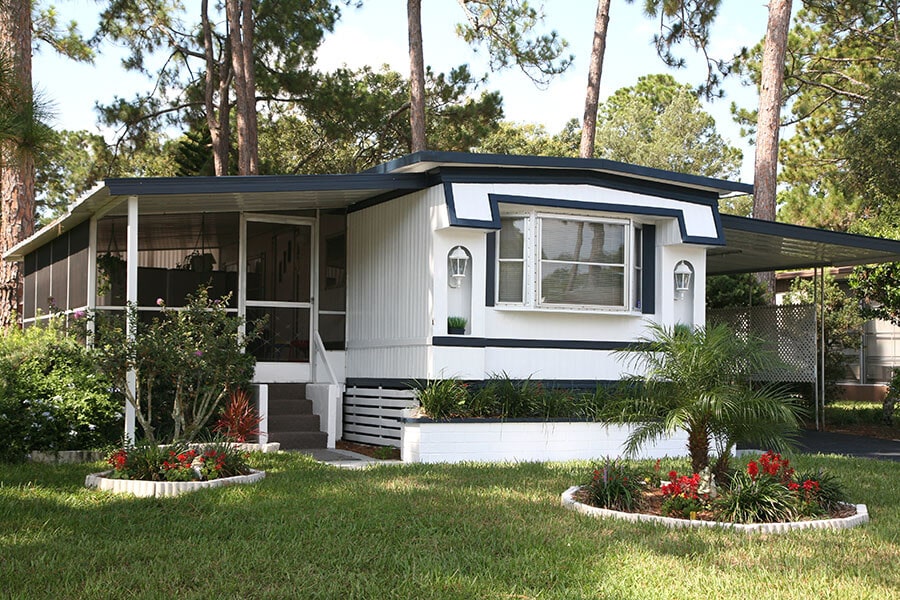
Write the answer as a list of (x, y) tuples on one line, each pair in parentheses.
[(91, 427)]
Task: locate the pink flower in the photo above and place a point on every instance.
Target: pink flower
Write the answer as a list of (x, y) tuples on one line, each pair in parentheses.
[(160, 302), (198, 353)]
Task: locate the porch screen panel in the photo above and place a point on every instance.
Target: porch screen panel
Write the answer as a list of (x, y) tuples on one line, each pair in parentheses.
[(79, 239), (284, 334), (333, 280), (59, 274), (42, 284), (28, 295), (278, 259), (582, 263)]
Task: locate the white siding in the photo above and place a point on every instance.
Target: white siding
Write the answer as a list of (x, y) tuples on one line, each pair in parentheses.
[(389, 287)]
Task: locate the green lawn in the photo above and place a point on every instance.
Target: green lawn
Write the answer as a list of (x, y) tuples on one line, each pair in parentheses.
[(424, 531)]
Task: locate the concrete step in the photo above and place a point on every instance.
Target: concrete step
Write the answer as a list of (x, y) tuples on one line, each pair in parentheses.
[(296, 440), (287, 391), (293, 423), (284, 406)]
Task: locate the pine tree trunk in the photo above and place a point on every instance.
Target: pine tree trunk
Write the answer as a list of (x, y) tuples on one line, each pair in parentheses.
[(595, 72), (217, 118), (251, 143), (16, 161), (416, 76), (239, 21), (769, 118)]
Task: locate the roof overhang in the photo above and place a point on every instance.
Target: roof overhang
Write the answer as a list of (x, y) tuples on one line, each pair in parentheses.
[(421, 162), (174, 195), (752, 246)]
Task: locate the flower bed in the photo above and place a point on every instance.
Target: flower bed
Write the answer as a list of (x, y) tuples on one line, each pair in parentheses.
[(145, 489), (768, 496), (570, 500), (151, 470)]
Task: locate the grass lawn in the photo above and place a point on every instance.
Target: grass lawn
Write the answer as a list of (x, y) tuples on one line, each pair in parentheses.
[(422, 531)]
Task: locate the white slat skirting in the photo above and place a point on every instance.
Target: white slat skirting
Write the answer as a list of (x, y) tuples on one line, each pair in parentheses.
[(372, 415)]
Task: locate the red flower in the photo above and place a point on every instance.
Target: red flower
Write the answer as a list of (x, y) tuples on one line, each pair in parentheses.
[(673, 475), (753, 468)]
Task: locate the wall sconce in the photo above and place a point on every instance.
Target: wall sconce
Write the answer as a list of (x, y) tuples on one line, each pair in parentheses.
[(458, 261), (683, 275)]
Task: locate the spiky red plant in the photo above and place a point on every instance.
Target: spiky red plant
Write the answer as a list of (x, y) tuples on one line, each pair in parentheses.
[(239, 419)]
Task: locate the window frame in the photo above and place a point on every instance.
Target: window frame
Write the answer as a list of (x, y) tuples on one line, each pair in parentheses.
[(532, 270)]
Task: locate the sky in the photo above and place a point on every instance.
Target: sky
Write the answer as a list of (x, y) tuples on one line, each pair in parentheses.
[(376, 35)]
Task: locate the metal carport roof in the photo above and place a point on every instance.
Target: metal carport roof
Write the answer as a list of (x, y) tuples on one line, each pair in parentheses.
[(752, 245)]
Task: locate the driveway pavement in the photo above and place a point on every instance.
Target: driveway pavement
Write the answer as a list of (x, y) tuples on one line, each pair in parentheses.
[(826, 442)]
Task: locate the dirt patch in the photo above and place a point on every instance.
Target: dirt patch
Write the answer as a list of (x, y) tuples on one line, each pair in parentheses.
[(378, 452)]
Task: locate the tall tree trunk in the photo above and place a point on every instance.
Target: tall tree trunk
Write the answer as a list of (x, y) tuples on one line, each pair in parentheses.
[(416, 75), (769, 117), (217, 117), (240, 21), (251, 144), (595, 72), (16, 158)]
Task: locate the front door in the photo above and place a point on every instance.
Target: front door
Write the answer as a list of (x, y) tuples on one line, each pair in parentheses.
[(277, 295)]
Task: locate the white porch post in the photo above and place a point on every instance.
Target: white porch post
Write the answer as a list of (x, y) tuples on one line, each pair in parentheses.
[(131, 289)]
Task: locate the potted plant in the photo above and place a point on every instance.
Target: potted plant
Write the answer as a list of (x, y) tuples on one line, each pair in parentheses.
[(456, 325)]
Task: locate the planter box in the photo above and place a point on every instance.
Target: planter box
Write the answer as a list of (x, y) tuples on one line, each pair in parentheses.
[(460, 440), (150, 489)]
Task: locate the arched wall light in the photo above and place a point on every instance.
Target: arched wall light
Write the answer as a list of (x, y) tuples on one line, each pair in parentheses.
[(683, 275), (458, 261)]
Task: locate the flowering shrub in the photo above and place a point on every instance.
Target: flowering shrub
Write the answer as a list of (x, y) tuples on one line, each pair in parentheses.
[(177, 462), (179, 466), (683, 495), (770, 491), (187, 362), (52, 395), (617, 486), (238, 420)]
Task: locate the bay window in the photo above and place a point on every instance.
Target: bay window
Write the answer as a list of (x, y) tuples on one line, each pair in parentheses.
[(569, 262)]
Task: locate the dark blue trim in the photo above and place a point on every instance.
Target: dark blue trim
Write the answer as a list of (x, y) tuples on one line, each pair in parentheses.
[(603, 166), (606, 207), (490, 268), (593, 179), (162, 186), (471, 223), (648, 269), (494, 420), (465, 341), (406, 384)]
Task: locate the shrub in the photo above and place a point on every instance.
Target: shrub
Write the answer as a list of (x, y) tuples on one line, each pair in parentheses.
[(756, 500), (443, 398), (617, 486), (222, 459), (829, 493), (239, 419), (52, 395), (683, 495), (194, 354)]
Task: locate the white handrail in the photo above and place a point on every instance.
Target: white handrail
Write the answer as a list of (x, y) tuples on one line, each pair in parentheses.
[(320, 348)]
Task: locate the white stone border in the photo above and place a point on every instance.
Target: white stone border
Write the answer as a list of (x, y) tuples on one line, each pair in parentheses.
[(861, 517), (158, 489)]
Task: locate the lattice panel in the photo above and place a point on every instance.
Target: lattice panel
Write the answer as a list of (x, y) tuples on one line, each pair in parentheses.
[(789, 331)]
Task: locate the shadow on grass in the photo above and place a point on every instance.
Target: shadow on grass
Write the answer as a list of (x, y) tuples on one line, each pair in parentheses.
[(405, 531)]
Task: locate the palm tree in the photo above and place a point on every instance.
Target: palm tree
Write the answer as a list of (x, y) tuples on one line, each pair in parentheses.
[(701, 381)]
